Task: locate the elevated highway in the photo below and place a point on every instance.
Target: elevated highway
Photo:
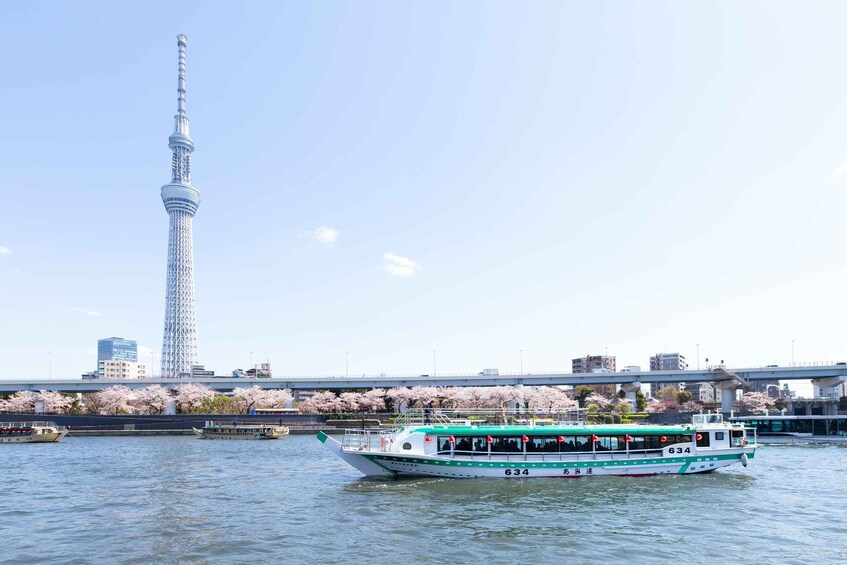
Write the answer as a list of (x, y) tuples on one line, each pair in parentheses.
[(827, 376)]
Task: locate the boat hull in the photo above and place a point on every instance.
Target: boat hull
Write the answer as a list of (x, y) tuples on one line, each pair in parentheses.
[(35, 438)]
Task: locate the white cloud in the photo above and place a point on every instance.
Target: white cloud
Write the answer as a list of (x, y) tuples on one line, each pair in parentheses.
[(324, 235), (86, 311), (839, 172), (5, 251), (399, 266)]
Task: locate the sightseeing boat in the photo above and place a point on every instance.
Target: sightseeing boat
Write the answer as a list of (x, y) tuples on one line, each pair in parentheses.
[(234, 430), (31, 432), (524, 450)]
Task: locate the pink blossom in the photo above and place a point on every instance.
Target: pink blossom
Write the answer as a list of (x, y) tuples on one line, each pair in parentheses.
[(153, 398), (21, 402), (114, 400), (189, 396)]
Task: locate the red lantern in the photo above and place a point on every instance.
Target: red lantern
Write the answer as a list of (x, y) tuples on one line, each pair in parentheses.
[(595, 438), (699, 437), (427, 439), (525, 439), (628, 438), (451, 439), (561, 439), (489, 439), (663, 439)]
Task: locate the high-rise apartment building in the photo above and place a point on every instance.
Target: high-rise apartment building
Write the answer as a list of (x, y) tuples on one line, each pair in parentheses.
[(593, 364), (666, 362), (116, 348)]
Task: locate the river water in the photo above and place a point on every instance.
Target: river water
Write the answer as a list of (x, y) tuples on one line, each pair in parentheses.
[(183, 500)]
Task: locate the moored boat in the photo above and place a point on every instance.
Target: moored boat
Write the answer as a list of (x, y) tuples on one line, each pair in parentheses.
[(31, 432), (445, 449), (234, 430)]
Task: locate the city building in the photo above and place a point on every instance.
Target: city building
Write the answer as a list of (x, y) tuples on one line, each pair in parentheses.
[(116, 348), (702, 392), (593, 364), (119, 369), (666, 362), (201, 372), (179, 342)]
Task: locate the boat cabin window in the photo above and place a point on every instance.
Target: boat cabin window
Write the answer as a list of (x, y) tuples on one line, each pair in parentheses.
[(506, 445), (703, 439), (463, 444), (407, 445), (719, 436)]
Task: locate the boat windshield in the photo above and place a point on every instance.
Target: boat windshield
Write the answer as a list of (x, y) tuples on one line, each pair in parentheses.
[(706, 419)]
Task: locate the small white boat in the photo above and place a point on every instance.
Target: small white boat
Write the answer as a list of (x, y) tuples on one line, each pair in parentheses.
[(234, 430), (31, 432), (445, 449)]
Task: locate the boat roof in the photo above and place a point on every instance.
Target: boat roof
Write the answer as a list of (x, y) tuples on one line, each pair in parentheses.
[(553, 430)]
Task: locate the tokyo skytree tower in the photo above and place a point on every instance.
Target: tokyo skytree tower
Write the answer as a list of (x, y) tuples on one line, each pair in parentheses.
[(179, 344)]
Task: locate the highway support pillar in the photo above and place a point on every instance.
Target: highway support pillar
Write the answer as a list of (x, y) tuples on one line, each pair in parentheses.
[(829, 386), (629, 389), (728, 383)]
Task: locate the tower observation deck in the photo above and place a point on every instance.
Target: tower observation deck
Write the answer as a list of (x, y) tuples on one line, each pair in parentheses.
[(179, 344)]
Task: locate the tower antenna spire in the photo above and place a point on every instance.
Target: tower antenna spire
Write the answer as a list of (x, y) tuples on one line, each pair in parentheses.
[(181, 42)]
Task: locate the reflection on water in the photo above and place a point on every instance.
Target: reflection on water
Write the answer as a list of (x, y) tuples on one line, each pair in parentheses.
[(181, 500)]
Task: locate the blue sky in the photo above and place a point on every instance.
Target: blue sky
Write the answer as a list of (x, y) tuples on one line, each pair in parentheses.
[(558, 177)]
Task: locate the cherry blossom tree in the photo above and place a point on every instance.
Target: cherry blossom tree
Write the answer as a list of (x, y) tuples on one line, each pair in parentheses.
[(322, 402), (277, 398), (190, 396), (350, 401), (373, 400), (153, 399), (601, 402), (54, 402), (654, 405), (422, 396), (551, 399), (756, 402), (258, 397), (114, 400), (21, 402), (473, 397), (399, 397)]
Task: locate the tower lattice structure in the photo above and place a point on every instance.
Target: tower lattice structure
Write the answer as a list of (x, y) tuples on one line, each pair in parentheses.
[(179, 344)]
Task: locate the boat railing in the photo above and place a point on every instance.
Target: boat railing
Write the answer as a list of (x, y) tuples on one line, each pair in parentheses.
[(488, 416), (28, 425), (368, 440)]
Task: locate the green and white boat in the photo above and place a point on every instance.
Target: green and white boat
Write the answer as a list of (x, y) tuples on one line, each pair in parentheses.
[(447, 448)]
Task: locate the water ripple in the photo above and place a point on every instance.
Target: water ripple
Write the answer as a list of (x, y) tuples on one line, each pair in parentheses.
[(180, 500)]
